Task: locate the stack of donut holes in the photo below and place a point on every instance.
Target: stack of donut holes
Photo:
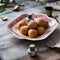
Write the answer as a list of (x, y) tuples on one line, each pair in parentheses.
[(33, 28)]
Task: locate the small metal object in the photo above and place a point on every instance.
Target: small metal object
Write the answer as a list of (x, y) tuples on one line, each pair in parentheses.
[(2, 4), (15, 8), (49, 10), (4, 18), (13, 1), (29, 17), (32, 50), (21, 4)]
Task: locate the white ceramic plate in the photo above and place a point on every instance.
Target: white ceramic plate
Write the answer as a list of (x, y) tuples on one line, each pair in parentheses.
[(52, 26)]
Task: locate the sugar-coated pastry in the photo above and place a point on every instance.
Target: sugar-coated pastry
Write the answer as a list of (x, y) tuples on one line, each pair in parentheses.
[(33, 33), (32, 24), (21, 23), (41, 30), (24, 30), (40, 22)]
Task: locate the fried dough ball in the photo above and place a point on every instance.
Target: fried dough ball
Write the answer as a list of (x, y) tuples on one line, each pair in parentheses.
[(41, 30), (32, 24), (40, 22), (33, 33), (46, 24), (24, 30), (21, 23)]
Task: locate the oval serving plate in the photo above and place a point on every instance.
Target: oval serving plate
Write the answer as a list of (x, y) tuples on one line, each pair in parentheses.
[(52, 26)]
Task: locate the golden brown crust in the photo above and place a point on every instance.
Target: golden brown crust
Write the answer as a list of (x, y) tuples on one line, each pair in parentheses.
[(40, 22), (24, 30), (32, 24), (21, 23), (41, 30), (46, 24), (33, 33)]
